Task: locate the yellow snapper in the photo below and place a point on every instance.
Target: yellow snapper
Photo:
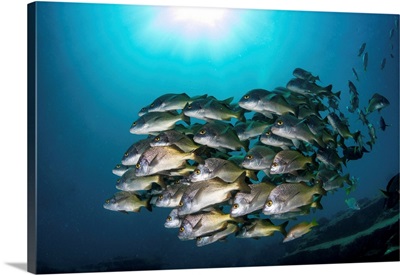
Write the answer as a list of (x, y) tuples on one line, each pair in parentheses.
[(261, 228), (299, 230)]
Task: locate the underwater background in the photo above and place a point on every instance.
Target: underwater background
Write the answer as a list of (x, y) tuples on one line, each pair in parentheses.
[(98, 65)]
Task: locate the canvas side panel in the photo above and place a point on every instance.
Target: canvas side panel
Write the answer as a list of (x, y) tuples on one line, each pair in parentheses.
[(32, 236)]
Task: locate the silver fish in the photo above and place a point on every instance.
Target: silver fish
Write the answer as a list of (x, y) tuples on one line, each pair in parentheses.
[(212, 109), (259, 158), (200, 224), (162, 159), (126, 202), (173, 137), (173, 220), (331, 179), (340, 127), (376, 103), (219, 135), (249, 129), (245, 203), (133, 153), (270, 139), (130, 182), (216, 236), (289, 161), (172, 195), (252, 100), (120, 169), (290, 127), (261, 228), (330, 158), (299, 230), (304, 87), (171, 101), (202, 194), (155, 122), (303, 74), (365, 61), (290, 197), (219, 168)]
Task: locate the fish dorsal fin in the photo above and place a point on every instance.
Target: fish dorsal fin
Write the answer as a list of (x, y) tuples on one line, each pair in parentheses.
[(227, 101)]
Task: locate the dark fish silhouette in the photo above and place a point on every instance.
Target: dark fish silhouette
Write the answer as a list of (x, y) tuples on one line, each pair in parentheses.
[(362, 48), (382, 124), (392, 193)]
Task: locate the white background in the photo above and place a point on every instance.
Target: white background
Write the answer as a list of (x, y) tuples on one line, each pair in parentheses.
[(13, 135)]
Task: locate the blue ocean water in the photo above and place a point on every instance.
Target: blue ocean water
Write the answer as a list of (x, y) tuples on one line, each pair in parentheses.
[(98, 65)]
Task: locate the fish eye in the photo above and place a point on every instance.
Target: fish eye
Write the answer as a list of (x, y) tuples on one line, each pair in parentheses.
[(126, 154), (197, 171), (152, 105), (317, 181), (189, 106), (160, 197), (169, 218), (202, 132), (279, 122), (269, 203), (118, 180), (181, 229), (235, 206), (118, 166), (107, 201), (246, 97), (267, 133), (157, 139), (180, 203), (249, 157), (133, 124), (138, 165), (274, 164)]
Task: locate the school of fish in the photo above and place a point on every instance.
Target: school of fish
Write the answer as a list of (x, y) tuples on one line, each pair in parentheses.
[(246, 168)]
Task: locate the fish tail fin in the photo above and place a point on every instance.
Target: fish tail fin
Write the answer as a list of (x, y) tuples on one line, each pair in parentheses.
[(193, 156), (161, 182), (328, 88), (239, 114), (356, 135), (317, 78), (314, 222), (242, 184), (148, 205), (245, 144), (319, 189), (282, 228), (317, 205), (337, 94), (252, 174), (185, 118)]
